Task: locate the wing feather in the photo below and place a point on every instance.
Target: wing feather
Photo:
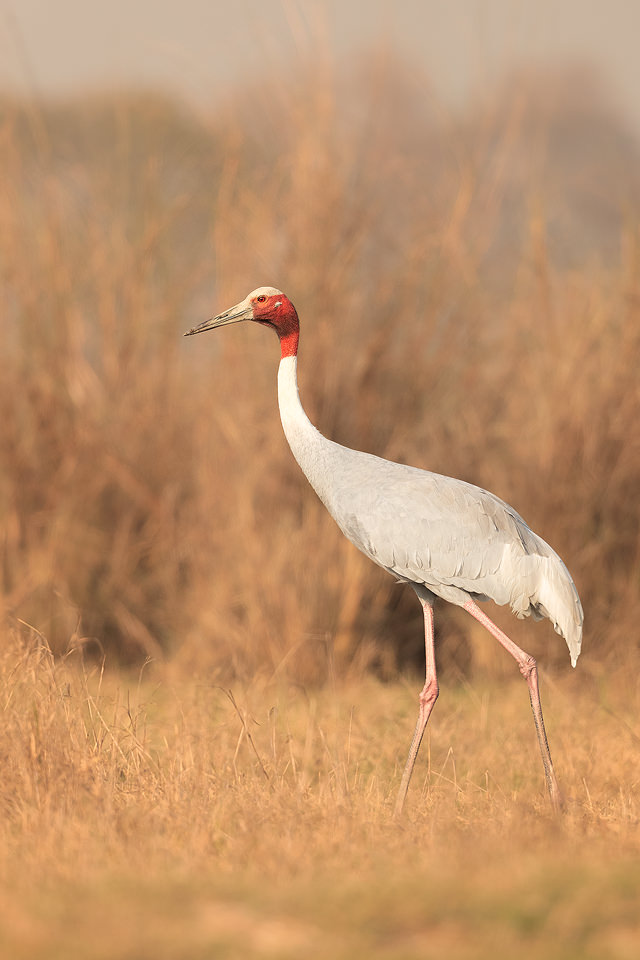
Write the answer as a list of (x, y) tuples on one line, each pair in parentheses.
[(457, 539)]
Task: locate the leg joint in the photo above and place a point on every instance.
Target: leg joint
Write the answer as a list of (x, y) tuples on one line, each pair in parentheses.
[(528, 667), (429, 693)]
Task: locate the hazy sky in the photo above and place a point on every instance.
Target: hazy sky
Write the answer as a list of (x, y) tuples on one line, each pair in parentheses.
[(198, 48)]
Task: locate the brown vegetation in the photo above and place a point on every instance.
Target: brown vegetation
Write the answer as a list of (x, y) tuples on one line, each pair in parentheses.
[(148, 498), (469, 292), (154, 816)]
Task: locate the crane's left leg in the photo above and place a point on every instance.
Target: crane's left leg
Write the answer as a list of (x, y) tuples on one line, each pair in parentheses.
[(428, 697), (529, 670)]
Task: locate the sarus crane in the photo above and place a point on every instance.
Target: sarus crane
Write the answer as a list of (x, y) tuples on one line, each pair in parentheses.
[(445, 537)]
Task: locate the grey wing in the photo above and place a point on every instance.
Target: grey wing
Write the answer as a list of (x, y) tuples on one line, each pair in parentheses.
[(430, 529), (459, 541)]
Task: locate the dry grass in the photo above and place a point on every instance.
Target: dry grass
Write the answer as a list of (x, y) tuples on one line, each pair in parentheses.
[(157, 815), (470, 303)]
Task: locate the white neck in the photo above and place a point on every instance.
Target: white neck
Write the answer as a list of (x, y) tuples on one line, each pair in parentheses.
[(308, 446), (295, 422)]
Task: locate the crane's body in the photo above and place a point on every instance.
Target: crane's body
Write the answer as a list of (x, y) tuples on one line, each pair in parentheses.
[(445, 537), (454, 539)]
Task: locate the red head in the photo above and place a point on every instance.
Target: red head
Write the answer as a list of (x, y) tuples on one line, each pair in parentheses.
[(267, 306)]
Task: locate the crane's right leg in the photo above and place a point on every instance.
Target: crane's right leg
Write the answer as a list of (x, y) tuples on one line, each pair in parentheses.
[(428, 697), (529, 670)]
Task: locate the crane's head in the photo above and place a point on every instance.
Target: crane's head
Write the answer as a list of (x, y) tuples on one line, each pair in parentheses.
[(265, 305)]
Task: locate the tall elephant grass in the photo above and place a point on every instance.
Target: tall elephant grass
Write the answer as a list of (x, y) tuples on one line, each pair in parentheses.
[(456, 314)]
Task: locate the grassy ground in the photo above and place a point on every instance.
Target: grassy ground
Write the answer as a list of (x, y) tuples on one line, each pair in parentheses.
[(163, 816)]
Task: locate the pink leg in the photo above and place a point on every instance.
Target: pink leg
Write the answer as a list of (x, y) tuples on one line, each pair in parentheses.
[(529, 670), (428, 697)]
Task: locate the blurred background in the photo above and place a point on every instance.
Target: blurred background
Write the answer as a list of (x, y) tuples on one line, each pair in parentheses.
[(449, 193)]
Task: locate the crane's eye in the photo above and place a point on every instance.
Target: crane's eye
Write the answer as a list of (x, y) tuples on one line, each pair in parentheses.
[(261, 299)]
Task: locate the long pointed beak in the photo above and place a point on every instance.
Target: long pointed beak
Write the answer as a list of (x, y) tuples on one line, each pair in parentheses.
[(241, 311)]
